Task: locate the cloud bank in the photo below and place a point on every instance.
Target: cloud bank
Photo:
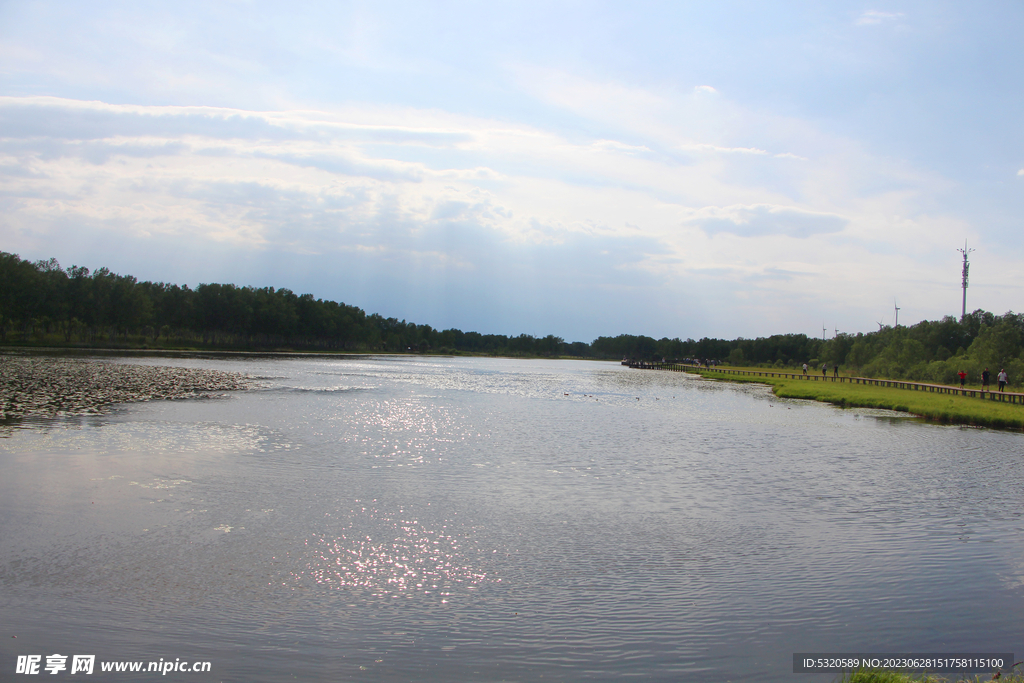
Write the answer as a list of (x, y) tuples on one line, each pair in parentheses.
[(406, 218), (671, 170)]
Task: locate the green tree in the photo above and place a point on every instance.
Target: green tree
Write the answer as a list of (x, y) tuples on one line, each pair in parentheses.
[(997, 345)]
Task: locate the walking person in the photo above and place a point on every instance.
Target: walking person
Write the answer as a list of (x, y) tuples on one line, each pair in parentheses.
[(824, 370), (835, 371), (963, 378), (984, 379), (1003, 378), (805, 368)]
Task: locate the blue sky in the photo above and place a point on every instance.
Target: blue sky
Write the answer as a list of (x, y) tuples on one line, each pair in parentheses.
[(578, 169)]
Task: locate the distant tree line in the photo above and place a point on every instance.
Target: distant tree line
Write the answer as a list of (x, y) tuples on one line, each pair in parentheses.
[(42, 303)]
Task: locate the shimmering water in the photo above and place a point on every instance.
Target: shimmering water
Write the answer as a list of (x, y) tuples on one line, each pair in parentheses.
[(408, 519)]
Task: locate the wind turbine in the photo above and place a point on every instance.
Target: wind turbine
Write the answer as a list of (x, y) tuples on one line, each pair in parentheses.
[(897, 313)]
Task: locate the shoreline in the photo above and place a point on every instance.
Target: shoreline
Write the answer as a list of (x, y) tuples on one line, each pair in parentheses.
[(49, 386), (62, 381), (940, 408)]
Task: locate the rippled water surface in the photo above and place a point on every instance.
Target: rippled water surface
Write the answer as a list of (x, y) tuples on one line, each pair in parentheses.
[(410, 519)]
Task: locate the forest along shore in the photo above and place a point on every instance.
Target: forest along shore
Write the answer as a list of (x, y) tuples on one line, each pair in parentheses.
[(48, 386)]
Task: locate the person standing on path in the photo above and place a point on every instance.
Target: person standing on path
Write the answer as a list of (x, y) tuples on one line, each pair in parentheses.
[(984, 379), (835, 371), (805, 368), (963, 378), (824, 370), (1003, 378)]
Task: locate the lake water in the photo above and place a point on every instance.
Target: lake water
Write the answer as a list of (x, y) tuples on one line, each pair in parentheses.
[(438, 519)]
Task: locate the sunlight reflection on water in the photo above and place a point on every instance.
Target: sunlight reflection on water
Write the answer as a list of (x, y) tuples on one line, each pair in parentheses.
[(397, 556)]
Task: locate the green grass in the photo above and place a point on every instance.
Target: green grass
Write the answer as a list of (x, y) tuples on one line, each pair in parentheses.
[(889, 676), (946, 408), (884, 676)]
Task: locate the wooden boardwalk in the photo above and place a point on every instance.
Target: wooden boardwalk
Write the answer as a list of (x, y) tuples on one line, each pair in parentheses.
[(1002, 396)]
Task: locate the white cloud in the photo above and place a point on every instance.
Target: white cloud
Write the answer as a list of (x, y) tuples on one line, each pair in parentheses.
[(674, 197), (615, 145), (695, 147), (765, 220), (872, 17)]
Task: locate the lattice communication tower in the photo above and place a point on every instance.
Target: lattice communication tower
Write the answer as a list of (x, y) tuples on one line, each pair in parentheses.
[(967, 266)]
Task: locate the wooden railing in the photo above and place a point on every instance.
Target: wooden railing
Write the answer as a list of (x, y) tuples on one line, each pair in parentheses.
[(1005, 396)]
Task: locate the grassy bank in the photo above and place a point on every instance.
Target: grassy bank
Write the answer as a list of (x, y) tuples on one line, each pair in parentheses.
[(888, 676), (944, 408)]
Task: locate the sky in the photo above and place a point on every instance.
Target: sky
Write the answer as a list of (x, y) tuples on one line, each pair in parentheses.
[(583, 169)]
